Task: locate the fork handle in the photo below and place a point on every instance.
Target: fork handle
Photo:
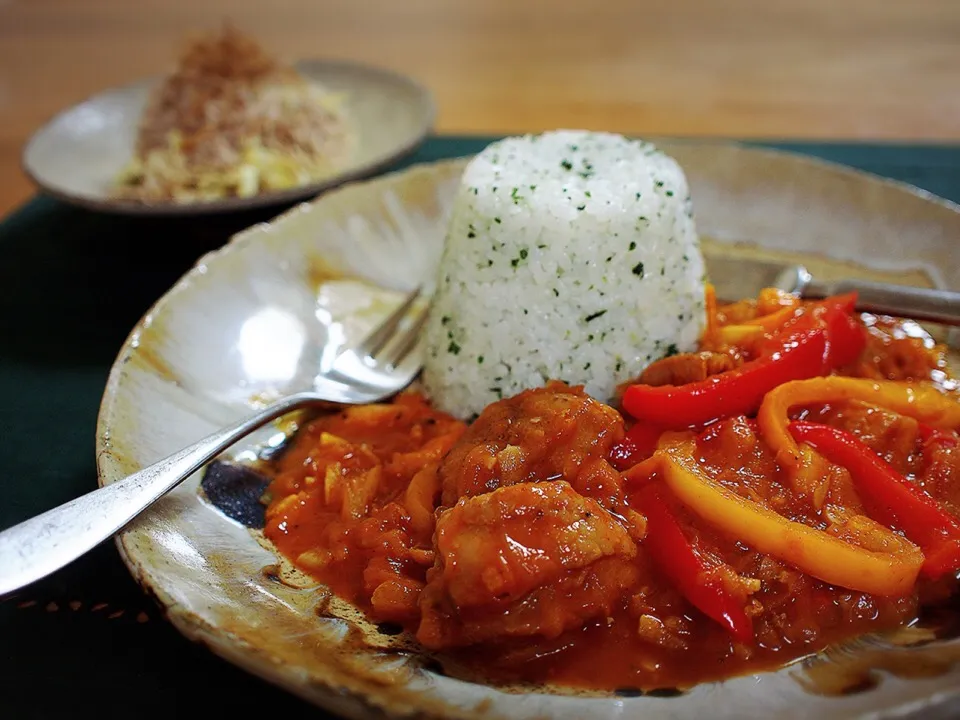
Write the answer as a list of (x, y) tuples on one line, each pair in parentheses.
[(45, 543), (940, 306)]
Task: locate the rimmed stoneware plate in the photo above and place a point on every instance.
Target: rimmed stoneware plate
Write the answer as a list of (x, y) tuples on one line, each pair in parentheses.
[(245, 324), (77, 155)]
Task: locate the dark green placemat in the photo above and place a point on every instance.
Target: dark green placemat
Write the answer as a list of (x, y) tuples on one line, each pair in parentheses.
[(72, 284)]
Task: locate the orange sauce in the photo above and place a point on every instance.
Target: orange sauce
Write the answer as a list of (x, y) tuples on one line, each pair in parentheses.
[(355, 502)]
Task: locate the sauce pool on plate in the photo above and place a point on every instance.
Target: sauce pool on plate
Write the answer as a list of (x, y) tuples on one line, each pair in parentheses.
[(560, 540)]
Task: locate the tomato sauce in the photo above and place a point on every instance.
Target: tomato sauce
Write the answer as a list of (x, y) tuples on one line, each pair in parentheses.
[(515, 548)]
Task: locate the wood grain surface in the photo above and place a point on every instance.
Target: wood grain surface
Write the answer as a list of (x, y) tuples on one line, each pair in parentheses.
[(856, 69)]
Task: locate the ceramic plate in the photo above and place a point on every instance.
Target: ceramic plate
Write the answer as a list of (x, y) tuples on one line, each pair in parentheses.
[(245, 323), (77, 155)]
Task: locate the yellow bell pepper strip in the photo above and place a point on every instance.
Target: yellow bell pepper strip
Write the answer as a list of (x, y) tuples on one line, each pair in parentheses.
[(773, 321), (890, 570), (777, 308), (889, 496), (750, 330), (922, 402), (710, 303), (700, 582), (740, 334), (772, 299)]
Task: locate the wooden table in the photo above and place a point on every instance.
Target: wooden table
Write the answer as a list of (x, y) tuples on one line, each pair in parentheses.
[(869, 69)]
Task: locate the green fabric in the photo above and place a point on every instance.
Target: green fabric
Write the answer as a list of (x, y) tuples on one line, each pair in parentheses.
[(72, 284)]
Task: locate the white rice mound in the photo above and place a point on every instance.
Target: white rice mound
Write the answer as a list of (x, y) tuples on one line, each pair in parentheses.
[(570, 255)]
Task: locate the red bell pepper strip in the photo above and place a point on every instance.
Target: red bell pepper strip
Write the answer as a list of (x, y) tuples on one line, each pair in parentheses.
[(890, 496), (813, 314), (639, 443), (735, 392), (816, 342), (680, 561), (935, 436), (846, 335)]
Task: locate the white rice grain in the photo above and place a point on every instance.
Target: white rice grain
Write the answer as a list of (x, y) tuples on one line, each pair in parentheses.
[(570, 255)]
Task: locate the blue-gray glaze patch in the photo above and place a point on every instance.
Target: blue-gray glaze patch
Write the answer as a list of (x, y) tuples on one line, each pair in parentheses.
[(235, 490)]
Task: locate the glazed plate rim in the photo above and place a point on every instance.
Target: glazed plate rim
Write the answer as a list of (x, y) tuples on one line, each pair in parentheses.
[(231, 646)]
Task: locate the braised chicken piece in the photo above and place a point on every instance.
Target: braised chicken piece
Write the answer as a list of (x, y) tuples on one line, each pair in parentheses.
[(899, 350), (532, 559), (687, 368), (514, 550), (939, 474), (543, 434)]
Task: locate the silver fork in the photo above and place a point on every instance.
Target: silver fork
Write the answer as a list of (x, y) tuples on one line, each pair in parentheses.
[(382, 364)]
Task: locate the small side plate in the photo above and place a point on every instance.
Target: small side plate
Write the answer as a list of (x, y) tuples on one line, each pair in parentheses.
[(77, 155)]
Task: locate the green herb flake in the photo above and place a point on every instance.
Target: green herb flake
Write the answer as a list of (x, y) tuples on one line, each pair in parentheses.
[(581, 207), (638, 269), (594, 316), (669, 193), (523, 253), (672, 350), (515, 262), (471, 234), (445, 319), (480, 360), (587, 193), (587, 366), (566, 165), (659, 183), (453, 348), (496, 220), (633, 245)]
